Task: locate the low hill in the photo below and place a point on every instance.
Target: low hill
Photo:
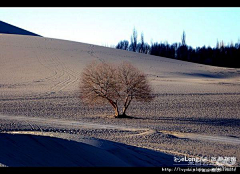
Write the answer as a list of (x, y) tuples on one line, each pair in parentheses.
[(11, 29), (42, 65)]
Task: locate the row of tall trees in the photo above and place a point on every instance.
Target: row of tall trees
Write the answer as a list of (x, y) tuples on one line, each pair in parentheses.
[(135, 46), (221, 55)]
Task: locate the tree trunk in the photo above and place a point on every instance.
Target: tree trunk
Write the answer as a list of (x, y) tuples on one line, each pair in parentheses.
[(116, 112), (115, 107), (124, 111), (126, 104)]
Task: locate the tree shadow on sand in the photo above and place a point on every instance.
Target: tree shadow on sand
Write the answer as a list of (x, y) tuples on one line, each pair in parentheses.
[(234, 122)]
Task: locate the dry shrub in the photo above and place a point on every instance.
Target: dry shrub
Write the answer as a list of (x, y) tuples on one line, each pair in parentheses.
[(117, 85)]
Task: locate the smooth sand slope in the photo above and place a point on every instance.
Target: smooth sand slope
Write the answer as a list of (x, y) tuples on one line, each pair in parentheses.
[(196, 110), (41, 65), (23, 150)]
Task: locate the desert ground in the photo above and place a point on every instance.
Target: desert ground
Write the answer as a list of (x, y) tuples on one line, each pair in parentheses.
[(195, 112)]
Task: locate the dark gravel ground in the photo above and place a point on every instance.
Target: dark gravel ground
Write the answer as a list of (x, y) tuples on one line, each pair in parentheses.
[(208, 114)]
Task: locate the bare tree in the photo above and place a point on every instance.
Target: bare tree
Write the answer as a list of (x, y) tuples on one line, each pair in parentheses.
[(184, 39), (123, 45), (99, 85), (141, 45), (134, 85), (133, 45), (116, 85)]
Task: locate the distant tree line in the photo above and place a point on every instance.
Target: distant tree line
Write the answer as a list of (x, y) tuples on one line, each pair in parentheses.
[(222, 55)]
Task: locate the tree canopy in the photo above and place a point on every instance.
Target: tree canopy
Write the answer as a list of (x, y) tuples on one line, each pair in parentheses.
[(116, 85)]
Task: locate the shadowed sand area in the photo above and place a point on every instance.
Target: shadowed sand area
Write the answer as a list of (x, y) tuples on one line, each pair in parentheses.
[(28, 150)]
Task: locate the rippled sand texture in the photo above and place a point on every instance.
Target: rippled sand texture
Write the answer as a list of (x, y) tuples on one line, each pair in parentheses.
[(195, 104)]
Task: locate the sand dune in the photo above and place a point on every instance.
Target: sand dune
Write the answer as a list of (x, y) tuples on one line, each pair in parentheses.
[(43, 65), (39, 77), (33, 150), (30, 150), (11, 29)]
